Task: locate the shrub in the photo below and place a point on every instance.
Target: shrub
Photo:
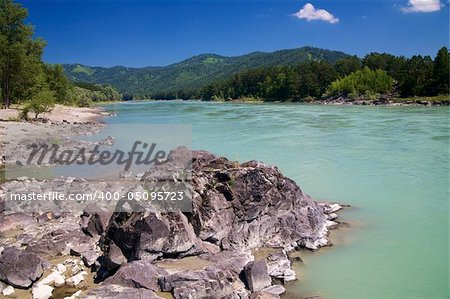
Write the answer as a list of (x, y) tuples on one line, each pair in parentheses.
[(363, 82)]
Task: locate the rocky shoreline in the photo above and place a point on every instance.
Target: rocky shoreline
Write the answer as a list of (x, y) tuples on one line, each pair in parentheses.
[(237, 209), (382, 101), (234, 242)]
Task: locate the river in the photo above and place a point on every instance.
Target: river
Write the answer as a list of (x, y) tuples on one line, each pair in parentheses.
[(391, 164)]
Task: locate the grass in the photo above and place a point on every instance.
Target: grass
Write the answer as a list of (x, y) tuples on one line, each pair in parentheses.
[(84, 70), (211, 60)]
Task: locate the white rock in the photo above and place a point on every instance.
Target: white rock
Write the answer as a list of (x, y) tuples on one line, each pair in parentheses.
[(330, 208), (316, 244), (9, 291), (331, 224), (289, 275), (42, 291), (61, 268), (75, 270), (53, 279), (76, 279), (332, 216), (2, 286), (75, 295)]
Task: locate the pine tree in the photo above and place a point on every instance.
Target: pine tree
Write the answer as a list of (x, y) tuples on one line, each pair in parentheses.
[(441, 72)]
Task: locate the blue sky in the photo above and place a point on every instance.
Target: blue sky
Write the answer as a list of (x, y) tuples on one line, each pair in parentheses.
[(144, 33)]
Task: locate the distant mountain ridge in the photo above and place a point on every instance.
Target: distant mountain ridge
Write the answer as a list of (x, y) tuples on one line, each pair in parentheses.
[(194, 72)]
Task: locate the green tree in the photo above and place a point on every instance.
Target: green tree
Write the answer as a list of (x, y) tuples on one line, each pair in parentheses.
[(362, 82), (58, 82), (348, 65), (20, 55), (441, 72), (417, 76), (42, 102)]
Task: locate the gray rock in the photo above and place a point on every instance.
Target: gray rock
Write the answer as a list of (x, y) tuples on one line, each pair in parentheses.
[(279, 266), (137, 274), (137, 234), (120, 292), (125, 174), (251, 205), (233, 261), (208, 283), (257, 275), (20, 268), (93, 221), (275, 289), (264, 295), (115, 257), (235, 208)]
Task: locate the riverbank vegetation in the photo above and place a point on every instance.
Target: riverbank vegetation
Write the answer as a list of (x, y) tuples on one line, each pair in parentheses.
[(26, 80)]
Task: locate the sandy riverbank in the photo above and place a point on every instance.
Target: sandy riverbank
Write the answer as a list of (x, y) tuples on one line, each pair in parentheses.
[(64, 122), (59, 114)]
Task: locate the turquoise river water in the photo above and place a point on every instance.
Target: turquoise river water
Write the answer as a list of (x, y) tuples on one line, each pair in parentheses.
[(391, 164)]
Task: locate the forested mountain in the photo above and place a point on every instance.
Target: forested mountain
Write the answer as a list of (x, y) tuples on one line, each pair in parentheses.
[(377, 75), (194, 72)]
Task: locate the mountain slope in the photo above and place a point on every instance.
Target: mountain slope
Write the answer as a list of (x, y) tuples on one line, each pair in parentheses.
[(194, 72)]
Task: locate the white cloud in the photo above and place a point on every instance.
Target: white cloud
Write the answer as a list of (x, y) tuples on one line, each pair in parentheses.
[(309, 12), (423, 6)]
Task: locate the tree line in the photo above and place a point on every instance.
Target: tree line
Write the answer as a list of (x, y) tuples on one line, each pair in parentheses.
[(352, 77), (25, 79), (367, 78)]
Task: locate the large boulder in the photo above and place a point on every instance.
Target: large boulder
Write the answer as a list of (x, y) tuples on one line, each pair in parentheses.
[(140, 234), (249, 205), (234, 207), (257, 275), (20, 268)]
